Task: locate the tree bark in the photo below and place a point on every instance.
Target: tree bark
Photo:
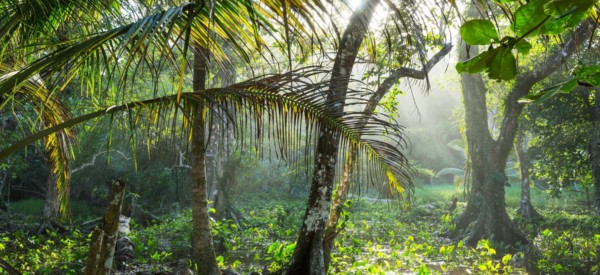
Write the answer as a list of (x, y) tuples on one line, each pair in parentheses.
[(308, 257), (52, 204), (485, 216), (202, 240), (56, 144), (102, 248), (525, 208)]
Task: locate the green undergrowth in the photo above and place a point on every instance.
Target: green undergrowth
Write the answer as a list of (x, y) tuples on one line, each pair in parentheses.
[(374, 238), (80, 210)]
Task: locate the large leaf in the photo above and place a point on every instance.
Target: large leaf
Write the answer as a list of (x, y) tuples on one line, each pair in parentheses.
[(479, 32), (474, 65), (566, 14), (563, 8), (499, 63), (503, 65), (589, 74), (544, 94), (529, 16)]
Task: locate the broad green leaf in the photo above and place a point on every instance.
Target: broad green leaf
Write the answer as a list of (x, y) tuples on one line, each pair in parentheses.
[(589, 74), (560, 24), (528, 17), (569, 85), (567, 14), (562, 8), (476, 64), (587, 70), (564, 87), (523, 47), (478, 32), (503, 65)]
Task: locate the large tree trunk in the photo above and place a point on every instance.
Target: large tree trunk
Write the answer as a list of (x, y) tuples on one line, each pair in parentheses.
[(202, 240), (308, 257), (485, 216), (525, 208), (594, 149)]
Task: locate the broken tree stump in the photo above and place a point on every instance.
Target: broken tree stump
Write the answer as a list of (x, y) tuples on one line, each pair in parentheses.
[(104, 240)]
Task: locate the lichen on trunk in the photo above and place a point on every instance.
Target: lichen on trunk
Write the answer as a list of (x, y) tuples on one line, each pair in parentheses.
[(308, 256)]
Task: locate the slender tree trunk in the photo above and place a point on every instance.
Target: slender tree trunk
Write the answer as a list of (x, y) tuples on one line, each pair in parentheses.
[(341, 192), (308, 257), (485, 216), (594, 149), (526, 208), (202, 240)]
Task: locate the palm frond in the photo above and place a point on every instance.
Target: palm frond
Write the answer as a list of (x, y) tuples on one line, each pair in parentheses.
[(50, 112), (279, 109)]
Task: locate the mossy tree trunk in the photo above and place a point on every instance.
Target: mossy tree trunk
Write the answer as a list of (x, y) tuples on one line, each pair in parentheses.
[(308, 256), (104, 240)]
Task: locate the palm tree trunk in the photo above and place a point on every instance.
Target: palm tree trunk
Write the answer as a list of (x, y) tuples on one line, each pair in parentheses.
[(308, 257), (202, 240), (526, 208)]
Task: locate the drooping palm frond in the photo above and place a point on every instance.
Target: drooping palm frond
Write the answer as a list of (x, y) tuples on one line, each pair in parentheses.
[(118, 47), (51, 112), (279, 109)]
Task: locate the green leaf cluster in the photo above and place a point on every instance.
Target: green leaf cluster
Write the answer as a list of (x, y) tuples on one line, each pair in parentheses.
[(533, 18)]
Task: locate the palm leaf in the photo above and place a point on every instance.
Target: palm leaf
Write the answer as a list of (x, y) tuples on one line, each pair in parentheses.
[(300, 105), (57, 144)]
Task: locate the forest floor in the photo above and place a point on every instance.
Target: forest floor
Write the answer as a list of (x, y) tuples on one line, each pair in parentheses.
[(377, 238)]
